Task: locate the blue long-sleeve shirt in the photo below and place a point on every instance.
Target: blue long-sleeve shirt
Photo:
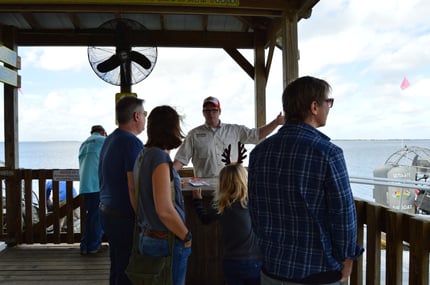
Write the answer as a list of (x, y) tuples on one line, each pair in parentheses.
[(301, 204), (62, 188), (89, 154)]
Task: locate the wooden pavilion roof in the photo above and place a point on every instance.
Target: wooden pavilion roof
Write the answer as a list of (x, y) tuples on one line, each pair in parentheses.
[(226, 24), (168, 23)]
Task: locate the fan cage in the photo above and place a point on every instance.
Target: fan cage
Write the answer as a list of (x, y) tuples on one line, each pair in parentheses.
[(98, 54)]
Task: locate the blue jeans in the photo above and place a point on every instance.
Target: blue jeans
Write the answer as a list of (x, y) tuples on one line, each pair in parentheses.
[(242, 272), (119, 233), (266, 280), (160, 247), (93, 232)]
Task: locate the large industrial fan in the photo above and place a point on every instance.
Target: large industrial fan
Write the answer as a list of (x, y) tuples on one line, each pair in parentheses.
[(123, 64)]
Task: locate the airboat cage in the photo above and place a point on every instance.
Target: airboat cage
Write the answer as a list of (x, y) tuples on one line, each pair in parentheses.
[(408, 163)]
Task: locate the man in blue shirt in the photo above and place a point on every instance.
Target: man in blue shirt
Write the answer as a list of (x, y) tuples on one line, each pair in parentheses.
[(117, 195), (300, 200), (89, 153)]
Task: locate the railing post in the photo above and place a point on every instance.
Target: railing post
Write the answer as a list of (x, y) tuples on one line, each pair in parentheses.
[(42, 225), (419, 251), (28, 201), (357, 268), (70, 211), (373, 243), (56, 211), (13, 208), (394, 256)]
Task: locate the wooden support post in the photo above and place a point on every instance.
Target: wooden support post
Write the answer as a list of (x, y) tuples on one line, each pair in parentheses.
[(260, 80), (290, 50), (10, 108)]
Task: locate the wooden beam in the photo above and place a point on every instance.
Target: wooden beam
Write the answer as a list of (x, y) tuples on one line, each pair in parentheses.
[(270, 56), (31, 20), (241, 60), (75, 21), (244, 7), (140, 38), (139, 9)]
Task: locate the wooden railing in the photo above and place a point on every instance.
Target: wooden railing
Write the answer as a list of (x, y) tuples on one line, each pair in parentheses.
[(402, 231), (383, 231), (24, 221)]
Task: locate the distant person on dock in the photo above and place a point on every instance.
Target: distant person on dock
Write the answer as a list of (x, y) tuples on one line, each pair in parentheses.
[(205, 144), (62, 194), (117, 157), (62, 185), (242, 257), (89, 188), (300, 199)]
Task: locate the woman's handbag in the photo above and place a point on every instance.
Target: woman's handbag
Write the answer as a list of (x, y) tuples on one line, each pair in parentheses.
[(146, 269)]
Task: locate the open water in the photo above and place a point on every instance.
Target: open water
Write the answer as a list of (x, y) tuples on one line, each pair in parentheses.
[(362, 156)]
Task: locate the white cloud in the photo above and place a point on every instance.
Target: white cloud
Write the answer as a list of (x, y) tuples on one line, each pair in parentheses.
[(54, 58)]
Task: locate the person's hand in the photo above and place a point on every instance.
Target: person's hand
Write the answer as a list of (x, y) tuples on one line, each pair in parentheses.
[(346, 271), (280, 119), (188, 243), (197, 193)]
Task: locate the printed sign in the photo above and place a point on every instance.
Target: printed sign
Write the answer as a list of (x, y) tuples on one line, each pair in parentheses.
[(8, 75), (8, 56), (65, 175)]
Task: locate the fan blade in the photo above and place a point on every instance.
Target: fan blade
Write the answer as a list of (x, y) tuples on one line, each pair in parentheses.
[(140, 59), (109, 64)]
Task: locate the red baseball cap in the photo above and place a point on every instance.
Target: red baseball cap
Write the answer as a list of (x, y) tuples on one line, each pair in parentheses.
[(212, 100)]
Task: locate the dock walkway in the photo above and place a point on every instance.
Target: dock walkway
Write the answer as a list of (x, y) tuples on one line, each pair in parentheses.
[(53, 264)]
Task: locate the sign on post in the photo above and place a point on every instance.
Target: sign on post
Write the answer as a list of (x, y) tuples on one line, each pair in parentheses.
[(8, 75), (65, 175)]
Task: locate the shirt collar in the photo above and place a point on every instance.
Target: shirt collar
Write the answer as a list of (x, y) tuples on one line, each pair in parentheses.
[(306, 127), (219, 126)]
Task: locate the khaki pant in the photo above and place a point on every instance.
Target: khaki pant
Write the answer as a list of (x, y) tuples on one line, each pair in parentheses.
[(76, 215)]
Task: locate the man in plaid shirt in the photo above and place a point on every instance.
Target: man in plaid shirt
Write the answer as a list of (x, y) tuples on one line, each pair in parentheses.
[(300, 200)]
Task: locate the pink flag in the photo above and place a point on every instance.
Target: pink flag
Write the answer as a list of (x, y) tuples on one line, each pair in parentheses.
[(405, 83)]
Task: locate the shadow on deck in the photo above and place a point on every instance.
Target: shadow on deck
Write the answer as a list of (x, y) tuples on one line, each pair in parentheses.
[(53, 264)]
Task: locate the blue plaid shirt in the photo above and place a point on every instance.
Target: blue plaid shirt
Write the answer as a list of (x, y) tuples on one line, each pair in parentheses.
[(301, 203)]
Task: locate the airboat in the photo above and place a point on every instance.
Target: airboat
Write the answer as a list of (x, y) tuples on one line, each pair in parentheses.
[(403, 181)]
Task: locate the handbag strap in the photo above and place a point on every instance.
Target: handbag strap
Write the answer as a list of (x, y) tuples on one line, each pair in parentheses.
[(171, 236)]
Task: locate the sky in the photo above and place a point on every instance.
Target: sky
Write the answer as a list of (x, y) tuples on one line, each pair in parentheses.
[(363, 48)]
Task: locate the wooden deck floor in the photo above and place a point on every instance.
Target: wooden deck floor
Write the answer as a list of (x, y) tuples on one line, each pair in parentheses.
[(53, 264)]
